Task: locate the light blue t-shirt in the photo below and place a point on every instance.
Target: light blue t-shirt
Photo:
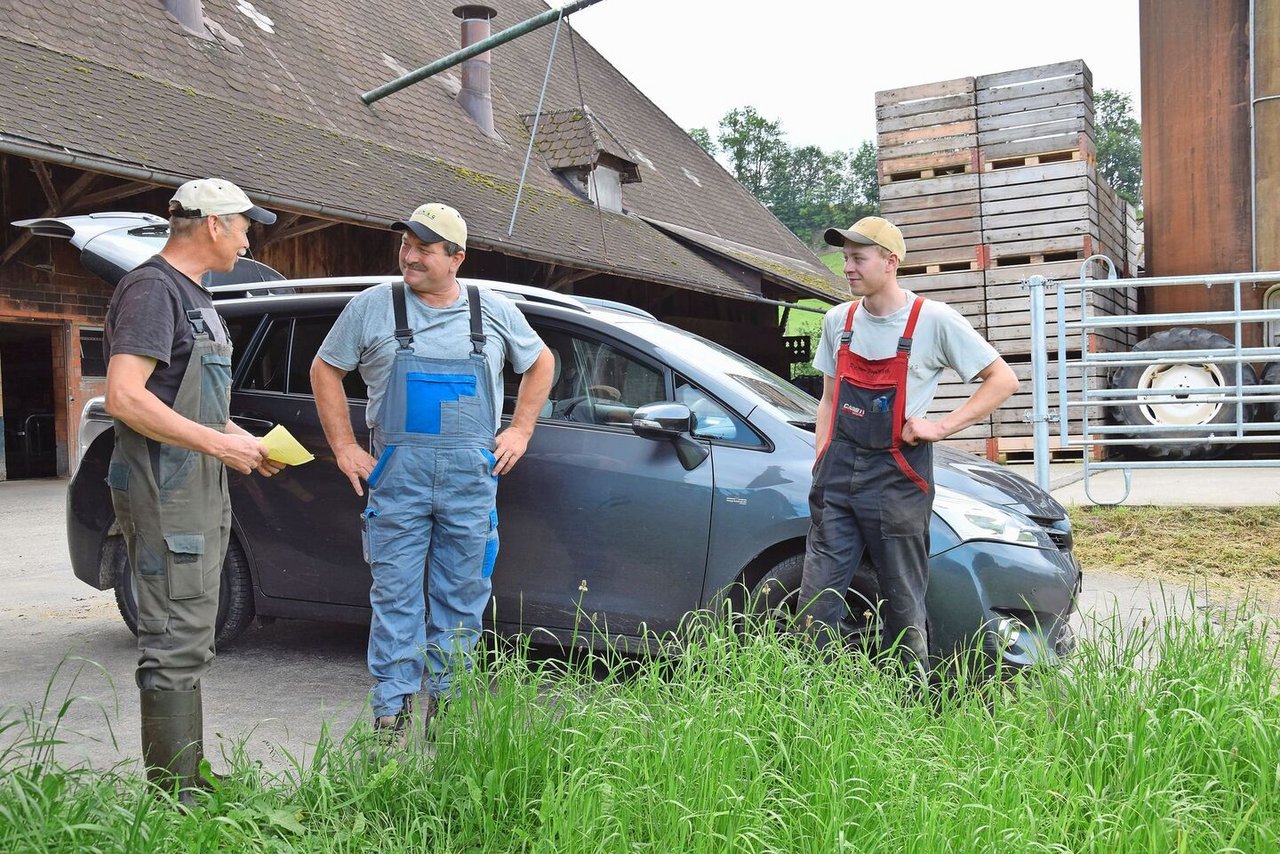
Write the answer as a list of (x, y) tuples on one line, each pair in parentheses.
[(364, 337), (943, 339)]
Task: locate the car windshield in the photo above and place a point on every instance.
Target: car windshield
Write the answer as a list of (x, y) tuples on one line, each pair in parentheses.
[(790, 402)]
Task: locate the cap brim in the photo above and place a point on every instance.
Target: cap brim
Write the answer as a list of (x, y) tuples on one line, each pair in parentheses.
[(261, 215), (419, 230), (837, 237)]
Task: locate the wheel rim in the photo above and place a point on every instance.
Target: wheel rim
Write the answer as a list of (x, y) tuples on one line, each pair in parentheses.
[(1173, 405)]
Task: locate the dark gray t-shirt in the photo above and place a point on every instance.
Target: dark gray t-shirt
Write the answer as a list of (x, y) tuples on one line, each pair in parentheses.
[(146, 318)]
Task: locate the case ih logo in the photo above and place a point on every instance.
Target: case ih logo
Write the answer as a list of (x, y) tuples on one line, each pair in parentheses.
[(853, 410)]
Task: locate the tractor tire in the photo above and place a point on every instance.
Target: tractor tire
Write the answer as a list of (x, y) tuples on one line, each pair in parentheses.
[(1164, 381), (1271, 411)]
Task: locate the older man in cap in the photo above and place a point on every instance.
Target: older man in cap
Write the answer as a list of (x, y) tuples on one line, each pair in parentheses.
[(168, 389), (881, 357), (431, 353)]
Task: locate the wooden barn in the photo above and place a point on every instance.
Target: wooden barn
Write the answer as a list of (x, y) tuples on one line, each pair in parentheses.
[(110, 106)]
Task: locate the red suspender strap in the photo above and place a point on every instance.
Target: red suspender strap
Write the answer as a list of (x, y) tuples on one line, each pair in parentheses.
[(900, 398), (842, 354)]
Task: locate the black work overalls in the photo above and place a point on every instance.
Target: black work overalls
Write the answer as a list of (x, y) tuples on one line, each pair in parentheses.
[(871, 493)]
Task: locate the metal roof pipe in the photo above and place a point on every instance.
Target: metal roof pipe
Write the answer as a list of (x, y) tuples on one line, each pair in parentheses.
[(189, 14), (475, 95), (512, 32)]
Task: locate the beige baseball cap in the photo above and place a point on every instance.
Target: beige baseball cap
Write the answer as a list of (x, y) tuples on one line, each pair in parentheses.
[(433, 223), (870, 230), (215, 197)]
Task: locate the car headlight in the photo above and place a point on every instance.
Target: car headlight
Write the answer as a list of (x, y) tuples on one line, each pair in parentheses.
[(972, 519), (94, 421)]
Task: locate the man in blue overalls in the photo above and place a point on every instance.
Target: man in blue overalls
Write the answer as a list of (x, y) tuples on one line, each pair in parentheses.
[(881, 358), (431, 353)]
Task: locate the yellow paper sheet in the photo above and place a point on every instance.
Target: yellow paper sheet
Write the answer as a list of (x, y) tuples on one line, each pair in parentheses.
[(284, 448)]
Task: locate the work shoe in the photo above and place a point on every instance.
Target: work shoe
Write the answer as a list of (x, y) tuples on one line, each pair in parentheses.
[(392, 730), (430, 708)]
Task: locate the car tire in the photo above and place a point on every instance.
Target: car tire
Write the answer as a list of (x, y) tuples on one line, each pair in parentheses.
[(1166, 379), (235, 593), (774, 597)]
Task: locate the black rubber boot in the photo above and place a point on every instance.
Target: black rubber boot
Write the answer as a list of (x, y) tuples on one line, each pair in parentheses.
[(173, 739)]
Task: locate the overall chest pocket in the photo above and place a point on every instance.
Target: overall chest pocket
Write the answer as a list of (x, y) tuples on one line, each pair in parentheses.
[(865, 416), (435, 403), (215, 388)]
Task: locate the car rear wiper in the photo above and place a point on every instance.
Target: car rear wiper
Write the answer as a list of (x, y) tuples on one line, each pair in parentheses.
[(811, 426)]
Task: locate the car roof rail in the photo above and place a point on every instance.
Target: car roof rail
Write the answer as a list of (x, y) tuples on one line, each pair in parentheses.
[(337, 284), (614, 305), (529, 293)]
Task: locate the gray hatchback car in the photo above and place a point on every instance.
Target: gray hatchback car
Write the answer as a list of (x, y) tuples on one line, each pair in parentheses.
[(666, 474)]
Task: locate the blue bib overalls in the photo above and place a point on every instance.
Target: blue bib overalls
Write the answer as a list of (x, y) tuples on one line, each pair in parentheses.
[(431, 501)]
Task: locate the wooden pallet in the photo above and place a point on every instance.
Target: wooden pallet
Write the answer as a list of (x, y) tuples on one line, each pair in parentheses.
[(1021, 449)]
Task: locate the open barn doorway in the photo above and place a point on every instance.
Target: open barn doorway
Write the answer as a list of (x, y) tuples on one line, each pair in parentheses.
[(27, 401)]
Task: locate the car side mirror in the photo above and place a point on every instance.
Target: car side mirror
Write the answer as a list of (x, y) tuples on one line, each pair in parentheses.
[(672, 422)]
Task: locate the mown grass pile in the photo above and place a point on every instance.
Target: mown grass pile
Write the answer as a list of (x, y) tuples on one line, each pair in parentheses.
[(1165, 738)]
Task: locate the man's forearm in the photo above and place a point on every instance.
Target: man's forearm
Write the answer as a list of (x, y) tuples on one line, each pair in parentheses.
[(535, 386), (998, 383), (331, 405)]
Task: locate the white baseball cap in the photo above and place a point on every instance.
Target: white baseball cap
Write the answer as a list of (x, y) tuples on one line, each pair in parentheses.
[(433, 223), (215, 197)]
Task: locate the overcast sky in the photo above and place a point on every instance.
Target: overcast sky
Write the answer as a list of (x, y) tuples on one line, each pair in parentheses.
[(816, 65)]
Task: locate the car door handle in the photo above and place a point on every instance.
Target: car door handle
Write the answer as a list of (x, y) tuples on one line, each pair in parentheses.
[(253, 425)]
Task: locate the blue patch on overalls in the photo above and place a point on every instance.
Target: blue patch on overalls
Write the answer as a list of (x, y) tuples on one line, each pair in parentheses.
[(425, 393)]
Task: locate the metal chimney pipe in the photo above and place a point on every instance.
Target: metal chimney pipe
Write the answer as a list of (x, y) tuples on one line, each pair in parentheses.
[(189, 14), (476, 97)]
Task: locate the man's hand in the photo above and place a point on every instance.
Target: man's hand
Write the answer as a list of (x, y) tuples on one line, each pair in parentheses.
[(918, 430), (270, 467), (510, 446), (355, 462), (242, 452)]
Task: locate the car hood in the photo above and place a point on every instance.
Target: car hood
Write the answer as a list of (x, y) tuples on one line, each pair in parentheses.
[(989, 482)]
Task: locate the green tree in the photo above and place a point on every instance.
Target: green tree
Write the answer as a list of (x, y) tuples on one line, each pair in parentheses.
[(702, 136), (1119, 143), (754, 146)]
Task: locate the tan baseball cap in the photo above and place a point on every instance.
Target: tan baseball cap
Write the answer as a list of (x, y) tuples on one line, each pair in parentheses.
[(215, 197), (870, 230), (433, 223)]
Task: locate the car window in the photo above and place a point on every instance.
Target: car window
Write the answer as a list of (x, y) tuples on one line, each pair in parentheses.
[(592, 382), (270, 362), (282, 362), (713, 421)]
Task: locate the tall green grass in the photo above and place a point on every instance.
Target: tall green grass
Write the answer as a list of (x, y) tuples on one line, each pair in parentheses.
[(1163, 738)]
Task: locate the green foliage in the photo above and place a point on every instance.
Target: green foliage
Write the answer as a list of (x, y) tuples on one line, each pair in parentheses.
[(1159, 737), (1119, 143), (807, 188), (702, 136)]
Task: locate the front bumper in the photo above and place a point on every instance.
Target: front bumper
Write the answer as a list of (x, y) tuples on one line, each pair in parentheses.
[(1012, 602)]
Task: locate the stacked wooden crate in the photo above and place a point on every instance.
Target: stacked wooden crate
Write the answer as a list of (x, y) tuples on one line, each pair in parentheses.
[(1023, 198)]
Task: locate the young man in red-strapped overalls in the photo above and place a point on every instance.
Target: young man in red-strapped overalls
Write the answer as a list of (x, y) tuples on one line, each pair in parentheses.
[(881, 357)]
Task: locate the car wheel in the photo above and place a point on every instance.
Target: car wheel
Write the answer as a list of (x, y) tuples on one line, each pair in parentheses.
[(1159, 387), (775, 598), (235, 593)]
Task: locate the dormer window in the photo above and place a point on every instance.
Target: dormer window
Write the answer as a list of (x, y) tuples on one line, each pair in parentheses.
[(577, 146)]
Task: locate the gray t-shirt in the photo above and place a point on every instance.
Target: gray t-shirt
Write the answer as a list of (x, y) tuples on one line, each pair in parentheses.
[(364, 337), (943, 339)]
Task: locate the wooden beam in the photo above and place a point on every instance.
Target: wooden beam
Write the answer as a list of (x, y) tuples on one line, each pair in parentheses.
[(562, 283), (46, 182), (277, 236), (113, 194), (72, 193)]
